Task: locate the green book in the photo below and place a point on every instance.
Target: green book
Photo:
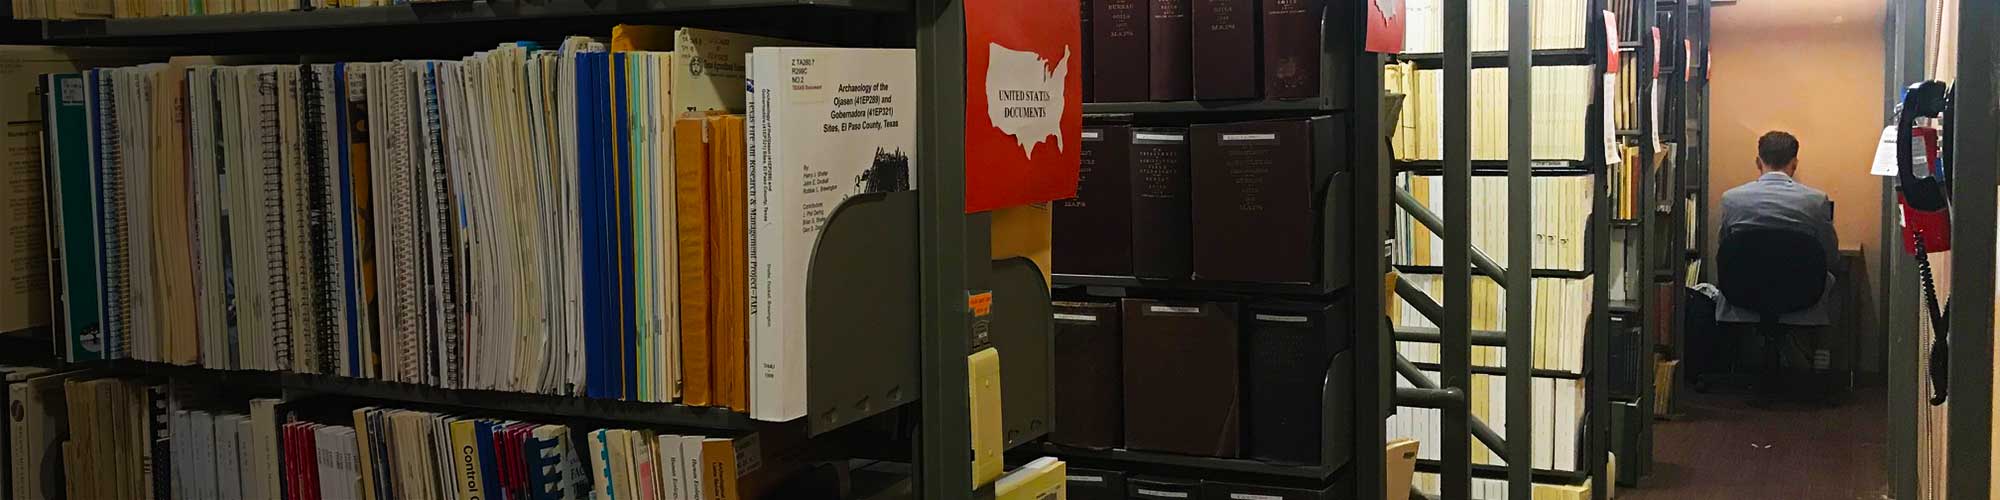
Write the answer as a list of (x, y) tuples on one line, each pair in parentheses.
[(72, 216)]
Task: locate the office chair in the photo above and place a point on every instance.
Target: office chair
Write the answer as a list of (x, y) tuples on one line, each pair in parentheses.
[(1772, 272)]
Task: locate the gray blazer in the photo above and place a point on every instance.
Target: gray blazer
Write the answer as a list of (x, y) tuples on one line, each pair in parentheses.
[(1775, 200)]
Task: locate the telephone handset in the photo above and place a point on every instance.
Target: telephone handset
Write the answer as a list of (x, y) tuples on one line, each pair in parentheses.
[(1926, 203)]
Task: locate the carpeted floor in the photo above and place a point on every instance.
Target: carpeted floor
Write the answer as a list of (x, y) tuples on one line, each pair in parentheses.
[(1728, 448)]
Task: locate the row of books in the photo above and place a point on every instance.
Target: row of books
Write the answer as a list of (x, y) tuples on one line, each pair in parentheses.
[(1556, 24), (1630, 14), (1107, 484), (1561, 219), (1625, 178), (82, 436), (562, 220), (1241, 380), (1561, 311), (1562, 97), (1558, 408), (1224, 201), (1494, 489), (1171, 50), (123, 9), (1625, 111)]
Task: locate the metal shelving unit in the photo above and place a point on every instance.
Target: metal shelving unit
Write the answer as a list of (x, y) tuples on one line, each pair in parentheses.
[(1462, 261), (1684, 114), (1351, 261), (920, 249)]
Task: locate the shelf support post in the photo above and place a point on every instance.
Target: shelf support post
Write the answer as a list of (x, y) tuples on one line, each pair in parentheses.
[(1978, 119), (944, 437), (1455, 354), (1520, 253)]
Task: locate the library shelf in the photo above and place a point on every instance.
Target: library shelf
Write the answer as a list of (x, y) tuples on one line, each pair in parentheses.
[(1498, 58), (1499, 473), (1308, 105), (1501, 371), (1122, 457), (666, 414), (421, 15)]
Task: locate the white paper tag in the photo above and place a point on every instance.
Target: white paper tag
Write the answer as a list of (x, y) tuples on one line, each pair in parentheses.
[(1075, 317), (1086, 479), (1249, 496), (1174, 310), (1885, 153), (1161, 494), (1248, 137), (1281, 319)]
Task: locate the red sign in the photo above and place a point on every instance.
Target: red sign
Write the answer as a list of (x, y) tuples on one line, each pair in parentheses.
[(1023, 101), (1687, 70), (1610, 43), (1385, 26), (1656, 52)]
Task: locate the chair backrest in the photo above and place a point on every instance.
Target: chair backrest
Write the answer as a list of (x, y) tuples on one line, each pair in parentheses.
[(1771, 271)]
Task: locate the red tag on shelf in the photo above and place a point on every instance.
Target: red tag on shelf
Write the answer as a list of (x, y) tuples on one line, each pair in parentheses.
[(1023, 101), (1385, 26), (1610, 42), (1656, 52), (1687, 69)]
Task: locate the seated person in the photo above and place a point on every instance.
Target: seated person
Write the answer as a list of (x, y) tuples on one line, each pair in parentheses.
[(1776, 199)]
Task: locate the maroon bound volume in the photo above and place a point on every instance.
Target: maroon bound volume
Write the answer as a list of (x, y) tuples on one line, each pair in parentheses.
[(1093, 231), (1181, 377), (1225, 48), (1160, 203), (1089, 57), (1119, 43), (1253, 201), (1292, 48), (1090, 397), (1171, 51)]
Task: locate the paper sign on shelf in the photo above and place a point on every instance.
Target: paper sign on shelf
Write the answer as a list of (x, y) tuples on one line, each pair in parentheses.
[(1024, 101), (1385, 26), (1885, 154), (1884, 163)]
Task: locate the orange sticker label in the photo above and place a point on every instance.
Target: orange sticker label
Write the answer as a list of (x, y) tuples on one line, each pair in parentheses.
[(980, 303)]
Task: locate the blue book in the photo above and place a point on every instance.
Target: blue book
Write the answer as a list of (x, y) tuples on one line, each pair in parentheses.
[(544, 467), (489, 460), (591, 210), (349, 273)]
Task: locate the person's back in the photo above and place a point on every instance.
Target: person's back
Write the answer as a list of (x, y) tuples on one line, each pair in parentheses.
[(1777, 200)]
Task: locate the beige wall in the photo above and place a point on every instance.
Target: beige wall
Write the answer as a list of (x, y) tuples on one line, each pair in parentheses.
[(1812, 68)]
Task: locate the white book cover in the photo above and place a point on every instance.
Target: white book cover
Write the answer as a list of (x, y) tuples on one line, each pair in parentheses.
[(264, 423), (327, 454), (178, 424), (600, 464), (246, 460), (228, 463), (674, 462), (203, 425), (1544, 430), (840, 123), (691, 458), (1566, 420)]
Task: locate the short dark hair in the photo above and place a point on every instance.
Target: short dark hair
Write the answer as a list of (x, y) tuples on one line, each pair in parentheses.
[(1777, 148)]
